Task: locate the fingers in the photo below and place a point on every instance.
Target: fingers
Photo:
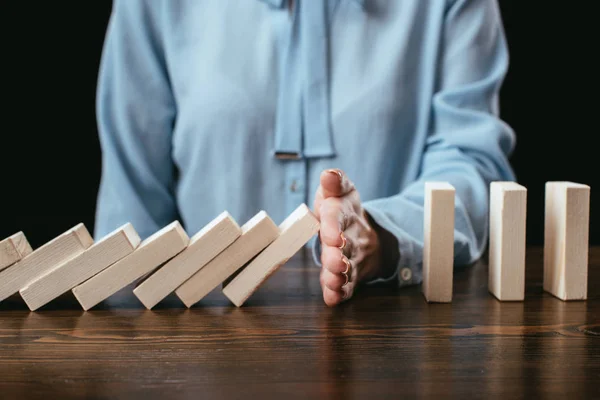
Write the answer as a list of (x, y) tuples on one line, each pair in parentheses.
[(335, 183), (334, 204), (333, 259), (332, 298), (331, 281), (335, 276), (334, 218)]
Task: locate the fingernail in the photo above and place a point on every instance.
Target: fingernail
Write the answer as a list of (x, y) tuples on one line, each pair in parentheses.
[(347, 262), (337, 172), (343, 245)]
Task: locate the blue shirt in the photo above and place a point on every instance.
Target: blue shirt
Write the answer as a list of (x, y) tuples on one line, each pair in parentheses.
[(211, 105)]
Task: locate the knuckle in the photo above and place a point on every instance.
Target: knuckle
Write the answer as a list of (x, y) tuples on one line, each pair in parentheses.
[(330, 234), (330, 254), (330, 281), (333, 281), (331, 298), (346, 218), (321, 278), (332, 204), (337, 266)]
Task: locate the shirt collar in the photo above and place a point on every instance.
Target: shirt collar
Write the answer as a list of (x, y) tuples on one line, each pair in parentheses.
[(283, 3)]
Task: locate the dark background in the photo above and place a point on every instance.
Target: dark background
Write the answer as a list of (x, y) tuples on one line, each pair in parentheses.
[(50, 56)]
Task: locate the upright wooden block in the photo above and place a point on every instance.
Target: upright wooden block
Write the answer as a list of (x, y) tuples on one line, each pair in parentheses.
[(257, 233), (60, 249), (507, 241), (566, 240), (438, 245), (203, 247), (108, 250), (13, 249), (295, 231), (149, 255)]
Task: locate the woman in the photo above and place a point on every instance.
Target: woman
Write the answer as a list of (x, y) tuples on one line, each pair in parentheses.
[(348, 105)]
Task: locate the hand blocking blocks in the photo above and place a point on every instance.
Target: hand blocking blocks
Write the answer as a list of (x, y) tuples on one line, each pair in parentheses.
[(243, 258), (294, 232), (167, 261)]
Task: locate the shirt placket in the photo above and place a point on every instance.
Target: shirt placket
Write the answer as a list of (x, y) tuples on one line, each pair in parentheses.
[(295, 177), (302, 123)]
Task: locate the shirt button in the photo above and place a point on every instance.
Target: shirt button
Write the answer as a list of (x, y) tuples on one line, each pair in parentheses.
[(406, 274), (294, 186)]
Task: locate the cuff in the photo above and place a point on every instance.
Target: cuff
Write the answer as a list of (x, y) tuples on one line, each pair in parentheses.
[(409, 268)]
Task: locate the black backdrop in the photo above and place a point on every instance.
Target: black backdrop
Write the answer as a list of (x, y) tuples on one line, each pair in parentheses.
[(50, 55)]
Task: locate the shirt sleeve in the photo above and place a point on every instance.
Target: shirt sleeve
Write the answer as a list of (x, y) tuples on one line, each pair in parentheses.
[(468, 145), (135, 114)]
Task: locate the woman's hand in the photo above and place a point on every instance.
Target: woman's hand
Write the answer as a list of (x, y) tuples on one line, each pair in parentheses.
[(351, 246)]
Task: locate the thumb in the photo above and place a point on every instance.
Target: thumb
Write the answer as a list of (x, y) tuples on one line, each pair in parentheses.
[(335, 183)]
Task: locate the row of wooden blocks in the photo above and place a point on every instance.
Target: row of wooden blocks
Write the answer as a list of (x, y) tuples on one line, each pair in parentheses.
[(566, 240), (242, 258), (168, 261)]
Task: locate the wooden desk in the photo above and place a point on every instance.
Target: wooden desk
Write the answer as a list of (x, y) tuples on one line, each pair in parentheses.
[(285, 343)]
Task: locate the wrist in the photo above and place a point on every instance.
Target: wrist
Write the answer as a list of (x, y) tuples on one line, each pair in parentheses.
[(389, 254)]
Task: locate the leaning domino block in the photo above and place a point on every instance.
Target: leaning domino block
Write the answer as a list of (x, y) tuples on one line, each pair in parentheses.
[(566, 236), (257, 233), (150, 254), (65, 277), (13, 249), (295, 231), (507, 242), (438, 246), (60, 249), (203, 246)]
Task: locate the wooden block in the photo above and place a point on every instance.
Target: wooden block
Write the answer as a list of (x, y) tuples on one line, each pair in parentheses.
[(203, 247), (438, 245), (60, 249), (257, 233), (295, 231), (149, 255), (108, 250), (507, 241), (566, 240), (13, 249)]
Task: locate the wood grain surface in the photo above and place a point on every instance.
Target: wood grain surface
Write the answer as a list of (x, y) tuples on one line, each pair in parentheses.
[(284, 342)]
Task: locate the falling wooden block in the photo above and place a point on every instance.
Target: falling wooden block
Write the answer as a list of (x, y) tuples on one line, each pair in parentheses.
[(438, 245), (60, 249), (257, 233), (13, 249), (507, 241), (149, 255), (110, 249), (295, 231), (566, 240), (203, 247)]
